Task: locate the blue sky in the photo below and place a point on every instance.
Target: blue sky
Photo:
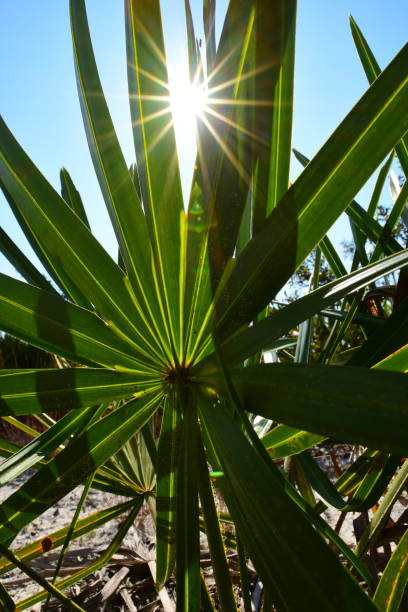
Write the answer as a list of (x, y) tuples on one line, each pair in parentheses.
[(39, 101)]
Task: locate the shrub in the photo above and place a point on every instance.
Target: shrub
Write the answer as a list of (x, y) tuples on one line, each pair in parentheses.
[(169, 342)]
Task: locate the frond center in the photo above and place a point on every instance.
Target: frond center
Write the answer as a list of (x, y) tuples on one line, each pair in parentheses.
[(177, 375)]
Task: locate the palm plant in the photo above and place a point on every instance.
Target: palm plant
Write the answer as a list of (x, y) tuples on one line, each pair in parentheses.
[(171, 338)]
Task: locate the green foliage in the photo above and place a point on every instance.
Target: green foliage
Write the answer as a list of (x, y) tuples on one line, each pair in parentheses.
[(162, 353)]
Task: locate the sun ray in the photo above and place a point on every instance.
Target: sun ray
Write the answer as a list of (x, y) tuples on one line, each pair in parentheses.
[(186, 101), (236, 81), (221, 64), (241, 102), (152, 116), (155, 48), (160, 135), (228, 152), (240, 128), (152, 77)]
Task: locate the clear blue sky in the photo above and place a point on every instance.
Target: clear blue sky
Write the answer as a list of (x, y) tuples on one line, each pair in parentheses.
[(39, 100)]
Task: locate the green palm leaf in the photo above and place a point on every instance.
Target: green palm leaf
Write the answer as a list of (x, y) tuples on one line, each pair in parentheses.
[(166, 496), (187, 523), (350, 404), (69, 468), (257, 498), (319, 195), (261, 334), (56, 325), (30, 392)]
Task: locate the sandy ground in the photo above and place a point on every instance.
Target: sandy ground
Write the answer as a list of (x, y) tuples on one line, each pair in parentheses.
[(60, 515)]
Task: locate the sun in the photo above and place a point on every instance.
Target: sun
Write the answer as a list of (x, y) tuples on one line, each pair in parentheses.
[(187, 102)]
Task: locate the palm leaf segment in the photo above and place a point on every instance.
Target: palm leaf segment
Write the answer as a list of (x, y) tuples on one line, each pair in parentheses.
[(155, 326)]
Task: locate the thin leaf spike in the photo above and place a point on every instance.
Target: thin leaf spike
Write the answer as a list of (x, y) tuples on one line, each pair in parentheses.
[(373, 70), (391, 587), (194, 59), (272, 178), (22, 264), (209, 31), (156, 154), (72, 197), (167, 464)]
